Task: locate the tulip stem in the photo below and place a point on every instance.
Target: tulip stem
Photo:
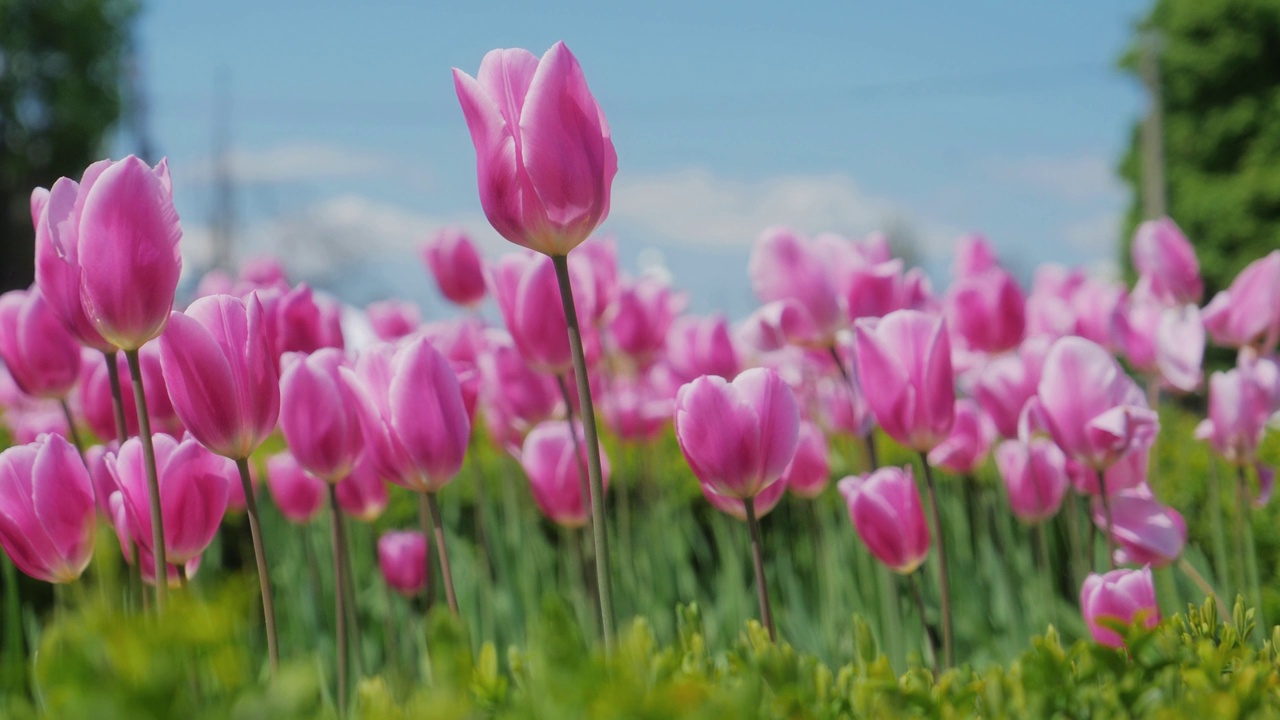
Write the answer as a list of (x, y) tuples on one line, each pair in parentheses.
[(914, 580), (944, 583), (260, 556), (425, 524), (757, 557), (392, 660), (71, 428), (1076, 557), (1203, 584), (603, 578), (117, 398), (868, 438), (339, 580), (437, 522), (583, 474), (1106, 515), (1250, 550), (153, 480)]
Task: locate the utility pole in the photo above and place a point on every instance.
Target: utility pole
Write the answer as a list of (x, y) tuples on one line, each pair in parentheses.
[(1154, 200), (223, 221), (135, 108)]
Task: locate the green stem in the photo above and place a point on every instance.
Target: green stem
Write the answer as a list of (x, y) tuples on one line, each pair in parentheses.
[(425, 524), (757, 559), (603, 577), (339, 579), (392, 660), (153, 480), (1041, 541), (1106, 515), (914, 580), (1218, 535), (117, 398), (437, 522), (1250, 550), (944, 582), (71, 427), (260, 557)]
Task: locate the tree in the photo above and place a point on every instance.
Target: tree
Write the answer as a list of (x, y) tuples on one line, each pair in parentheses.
[(60, 94), (1220, 79)]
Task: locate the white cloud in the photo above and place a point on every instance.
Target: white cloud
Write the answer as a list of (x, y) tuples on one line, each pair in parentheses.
[(1075, 179), (291, 163)]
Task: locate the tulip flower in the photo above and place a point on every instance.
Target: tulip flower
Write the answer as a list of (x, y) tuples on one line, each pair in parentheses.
[(110, 245), (298, 495), (635, 410), (1147, 532), (785, 267), (47, 517), (556, 475), (1035, 476), (1120, 596), (362, 494), (886, 511), (701, 346), (809, 472), (1165, 343), (765, 502), (1239, 409), (1005, 384), (320, 414), (904, 363), (95, 396), (1247, 314), (544, 157), (393, 319), (987, 311), (95, 460), (644, 312), (402, 557), (42, 357), (136, 554), (971, 437), (1164, 257), (511, 389), (529, 299), (302, 321), (194, 484), (457, 267)]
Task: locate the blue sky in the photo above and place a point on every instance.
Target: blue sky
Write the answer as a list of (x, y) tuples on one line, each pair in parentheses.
[(348, 146)]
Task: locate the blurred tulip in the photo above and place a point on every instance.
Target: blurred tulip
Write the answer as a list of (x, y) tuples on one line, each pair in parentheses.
[(1164, 256), (301, 321), (298, 495), (987, 311), (1147, 532), (362, 494), (512, 389), (1035, 476), (1129, 471), (886, 511), (809, 472), (555, 475), (544, 157), (974, 256), (47, 517), (528, 296), (194, 484), (456, 266), (1240, 405), (260, 272), (135, 553), (1247, 314), (42, 357), (1006, 383), (765, 502), (320, 414), (965, 449), (1122, 596), (402, 557), (786, 267), (1163, 342), (94, 393), (904, 364), (739, 436), (645, 309), (223, 374), (698, 346), (635, 410), (393, 319)]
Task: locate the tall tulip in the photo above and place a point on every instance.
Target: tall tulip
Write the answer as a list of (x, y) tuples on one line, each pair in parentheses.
[(886, 511), (47, 511), (1123, 596), (320, 414), (456, 265), (904, 363)]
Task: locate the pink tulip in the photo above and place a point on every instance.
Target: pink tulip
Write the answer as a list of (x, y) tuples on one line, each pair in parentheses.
[(512, 389), (738, 437), (194, 484), (393, 319), (1067, 302), (137, 553), (528, 297), (1094, 412), (886, 511), (298, 495), (1247, 314), (1161, 341), (111, 243), (362, 494), (974, 256), (1121, 596), (402, 557), (223, 373), (841, 411), (47, 517), (1240, 406), (42, 357), (635, 409), (786, 267), (904, 363), (809, 472), (766, 501), (456, 266), (1147, 532), (555, 475), (302, 321), (1035, 476), (415, 422), (698, 346), (987, 311), (216, 282), (544, 158), (1130, 471), (1006, 383), (597, 262), (642, 320), (94, 394), (971, 438), (95, 460), (1164, 257), (236, 500), (320, 414)]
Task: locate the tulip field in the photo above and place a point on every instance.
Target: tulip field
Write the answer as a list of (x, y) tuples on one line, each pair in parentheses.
[(570, 497)]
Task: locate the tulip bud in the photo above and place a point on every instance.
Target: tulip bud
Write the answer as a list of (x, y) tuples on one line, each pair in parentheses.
[(42, 357), (1247, 314), (1147, 532), (320, 414), (402, 557), (886, 511), (393, 319), (1164, 256), (556, 476), (765, 502), (971, 437), (904, 363), (298, 495), (1035, 476), (456, 266), (786, 267), (1122, 596), (701, 346), (809, 472), (47, 517), (362, 494)]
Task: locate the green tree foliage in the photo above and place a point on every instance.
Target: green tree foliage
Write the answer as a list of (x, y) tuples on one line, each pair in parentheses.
[(1220, 78), (60, 68)]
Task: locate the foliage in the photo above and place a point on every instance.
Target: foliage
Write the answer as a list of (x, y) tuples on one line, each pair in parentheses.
[(1220, 80)]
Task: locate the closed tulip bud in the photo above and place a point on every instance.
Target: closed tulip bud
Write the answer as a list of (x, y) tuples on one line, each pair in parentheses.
[(94, 393), (528, 297), (1094, 411), (194, 485), (555, 474), (644, 311), (301, 320), (1247, 314), (362, 494), (320, 414), (739, 436), (457, 267), (402, 557), (1147, 532), (1120, 596), (765, 502), (224, 378), (988, 311), (635, 409), (1129, 471), (1035, 476), (1164, 256), (298, 495), (47, 517), (904, 363), (785, 266), (544, 156), (809, 472), (42, 357), (972, 435), (393, 319), (416, 426), (512, 389), (699, 346), (886, 511)]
